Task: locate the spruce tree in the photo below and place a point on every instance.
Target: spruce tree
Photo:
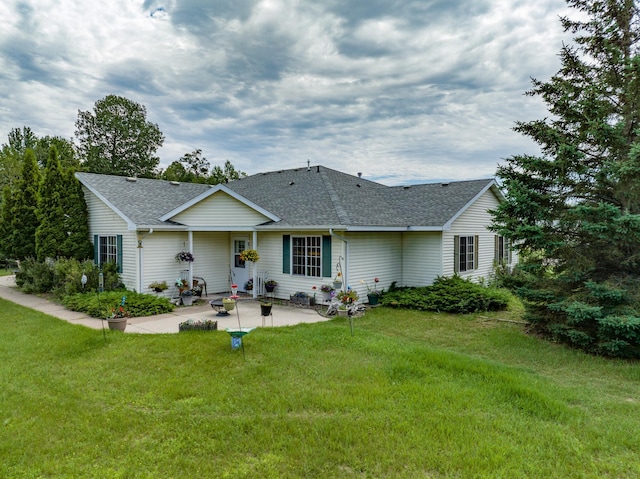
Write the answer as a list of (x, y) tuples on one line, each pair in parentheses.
[(76, 220), (6, 224), (51, 234), (574, 210), (25, 220)]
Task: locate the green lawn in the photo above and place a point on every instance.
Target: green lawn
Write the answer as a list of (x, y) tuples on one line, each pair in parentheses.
[(412, 395)]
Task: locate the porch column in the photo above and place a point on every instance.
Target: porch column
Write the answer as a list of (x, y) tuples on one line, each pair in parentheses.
[(254, 267), (190, 235)]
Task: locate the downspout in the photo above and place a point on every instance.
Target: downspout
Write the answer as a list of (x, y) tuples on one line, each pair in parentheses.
[(254, 266), (141, 260), (345, 270), (190, 236)]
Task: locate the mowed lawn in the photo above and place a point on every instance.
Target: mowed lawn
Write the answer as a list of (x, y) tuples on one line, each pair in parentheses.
[(410, 395)]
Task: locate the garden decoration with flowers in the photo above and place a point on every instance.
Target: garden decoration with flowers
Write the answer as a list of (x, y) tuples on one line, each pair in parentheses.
[(184, 256), (375, 291), (250, 255), (347, 297)]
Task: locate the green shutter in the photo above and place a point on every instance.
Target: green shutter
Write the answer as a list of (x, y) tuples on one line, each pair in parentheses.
[(456, 254), (286, 254), (496, 249), (96, 249), (119, 252), (326, 257), (476, 251)]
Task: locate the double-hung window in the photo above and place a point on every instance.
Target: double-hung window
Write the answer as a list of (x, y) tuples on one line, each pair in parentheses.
[(108, 249), (466, 253), (306, 256), (502, 250)]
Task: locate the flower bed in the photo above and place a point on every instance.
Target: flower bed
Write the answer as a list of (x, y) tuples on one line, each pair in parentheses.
[(198, 325)]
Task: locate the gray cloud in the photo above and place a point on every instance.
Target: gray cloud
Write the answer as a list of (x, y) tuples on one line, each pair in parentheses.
[(402, 90)]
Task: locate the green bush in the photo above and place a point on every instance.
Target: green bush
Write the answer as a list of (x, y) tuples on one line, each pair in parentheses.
[(34, 276), (99, 305), (451, 295)]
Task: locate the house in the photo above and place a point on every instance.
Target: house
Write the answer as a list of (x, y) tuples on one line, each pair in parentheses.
[(308, 225)]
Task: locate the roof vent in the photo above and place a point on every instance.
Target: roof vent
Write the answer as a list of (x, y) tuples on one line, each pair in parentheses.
[(132, 179), (406, 187), (358, 185), (359, 174), (175, 183), (318, 169), (291, 183), (444, 184)]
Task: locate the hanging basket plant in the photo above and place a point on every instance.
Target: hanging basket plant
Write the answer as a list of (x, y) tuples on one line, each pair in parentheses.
[(250, 255), (185, 256)]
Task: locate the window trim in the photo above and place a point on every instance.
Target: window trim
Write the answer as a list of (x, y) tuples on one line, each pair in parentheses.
[(469, 264), (310, 262)]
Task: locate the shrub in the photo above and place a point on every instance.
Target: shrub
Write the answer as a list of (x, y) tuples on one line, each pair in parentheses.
[(451, 295), (34, 276), (98, 305)]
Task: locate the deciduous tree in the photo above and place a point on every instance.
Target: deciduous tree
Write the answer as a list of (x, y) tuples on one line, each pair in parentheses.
[(117, 139)]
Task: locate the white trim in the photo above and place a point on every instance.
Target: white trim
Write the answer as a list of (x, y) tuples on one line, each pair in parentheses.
[(447, 225), (131, 226), (212, 191)]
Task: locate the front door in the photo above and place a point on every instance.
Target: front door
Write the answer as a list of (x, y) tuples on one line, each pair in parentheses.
[(239, 270)]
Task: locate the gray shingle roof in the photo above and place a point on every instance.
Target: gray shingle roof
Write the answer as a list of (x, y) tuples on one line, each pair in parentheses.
[(301, 197), (143, 201)]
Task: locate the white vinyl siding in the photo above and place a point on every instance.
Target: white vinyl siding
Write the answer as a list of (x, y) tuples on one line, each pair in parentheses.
[(373, 255), (220, 210), (422, 258), (472, 222)]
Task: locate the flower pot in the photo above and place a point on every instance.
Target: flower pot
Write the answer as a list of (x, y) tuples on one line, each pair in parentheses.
[(269, 288), (337, 285), (118, 324), (326, 296), (343, 312), (265, 309), (187, 300), (373, 299), (228, 304)]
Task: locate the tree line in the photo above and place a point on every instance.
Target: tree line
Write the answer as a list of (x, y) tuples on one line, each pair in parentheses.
[(42, 208)]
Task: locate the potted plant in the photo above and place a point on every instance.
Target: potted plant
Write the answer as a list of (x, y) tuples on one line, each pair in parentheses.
[(118, 317), (184, 256), (159, 286), (337, 281), (228, 304), (249, 255), (302, 298), (373, 294), (270, 285), (265, 308), (248, 286), (187, 297), (342, 310), (326, 289)]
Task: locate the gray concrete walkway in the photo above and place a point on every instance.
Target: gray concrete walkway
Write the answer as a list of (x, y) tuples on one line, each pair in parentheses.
[(247, 309)]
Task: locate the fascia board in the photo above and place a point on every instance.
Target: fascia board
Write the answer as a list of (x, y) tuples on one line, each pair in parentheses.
[(448, 224), (212, 191), (131, 226)]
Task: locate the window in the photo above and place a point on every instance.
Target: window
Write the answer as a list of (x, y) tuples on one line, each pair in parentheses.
[(108, 249), (306, 256), (466, 253), (502, 250)]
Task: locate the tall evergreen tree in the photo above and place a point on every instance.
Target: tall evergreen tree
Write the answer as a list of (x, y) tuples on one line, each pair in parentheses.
[(76, 220), (6, 224), (575, 209), (25, 221), (50, 233), (117, 139)]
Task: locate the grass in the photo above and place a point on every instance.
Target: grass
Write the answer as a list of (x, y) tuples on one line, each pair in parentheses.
[(411, 395), (5, 272)]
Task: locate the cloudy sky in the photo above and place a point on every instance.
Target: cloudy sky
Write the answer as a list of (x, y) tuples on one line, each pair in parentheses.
[(400, 90)]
